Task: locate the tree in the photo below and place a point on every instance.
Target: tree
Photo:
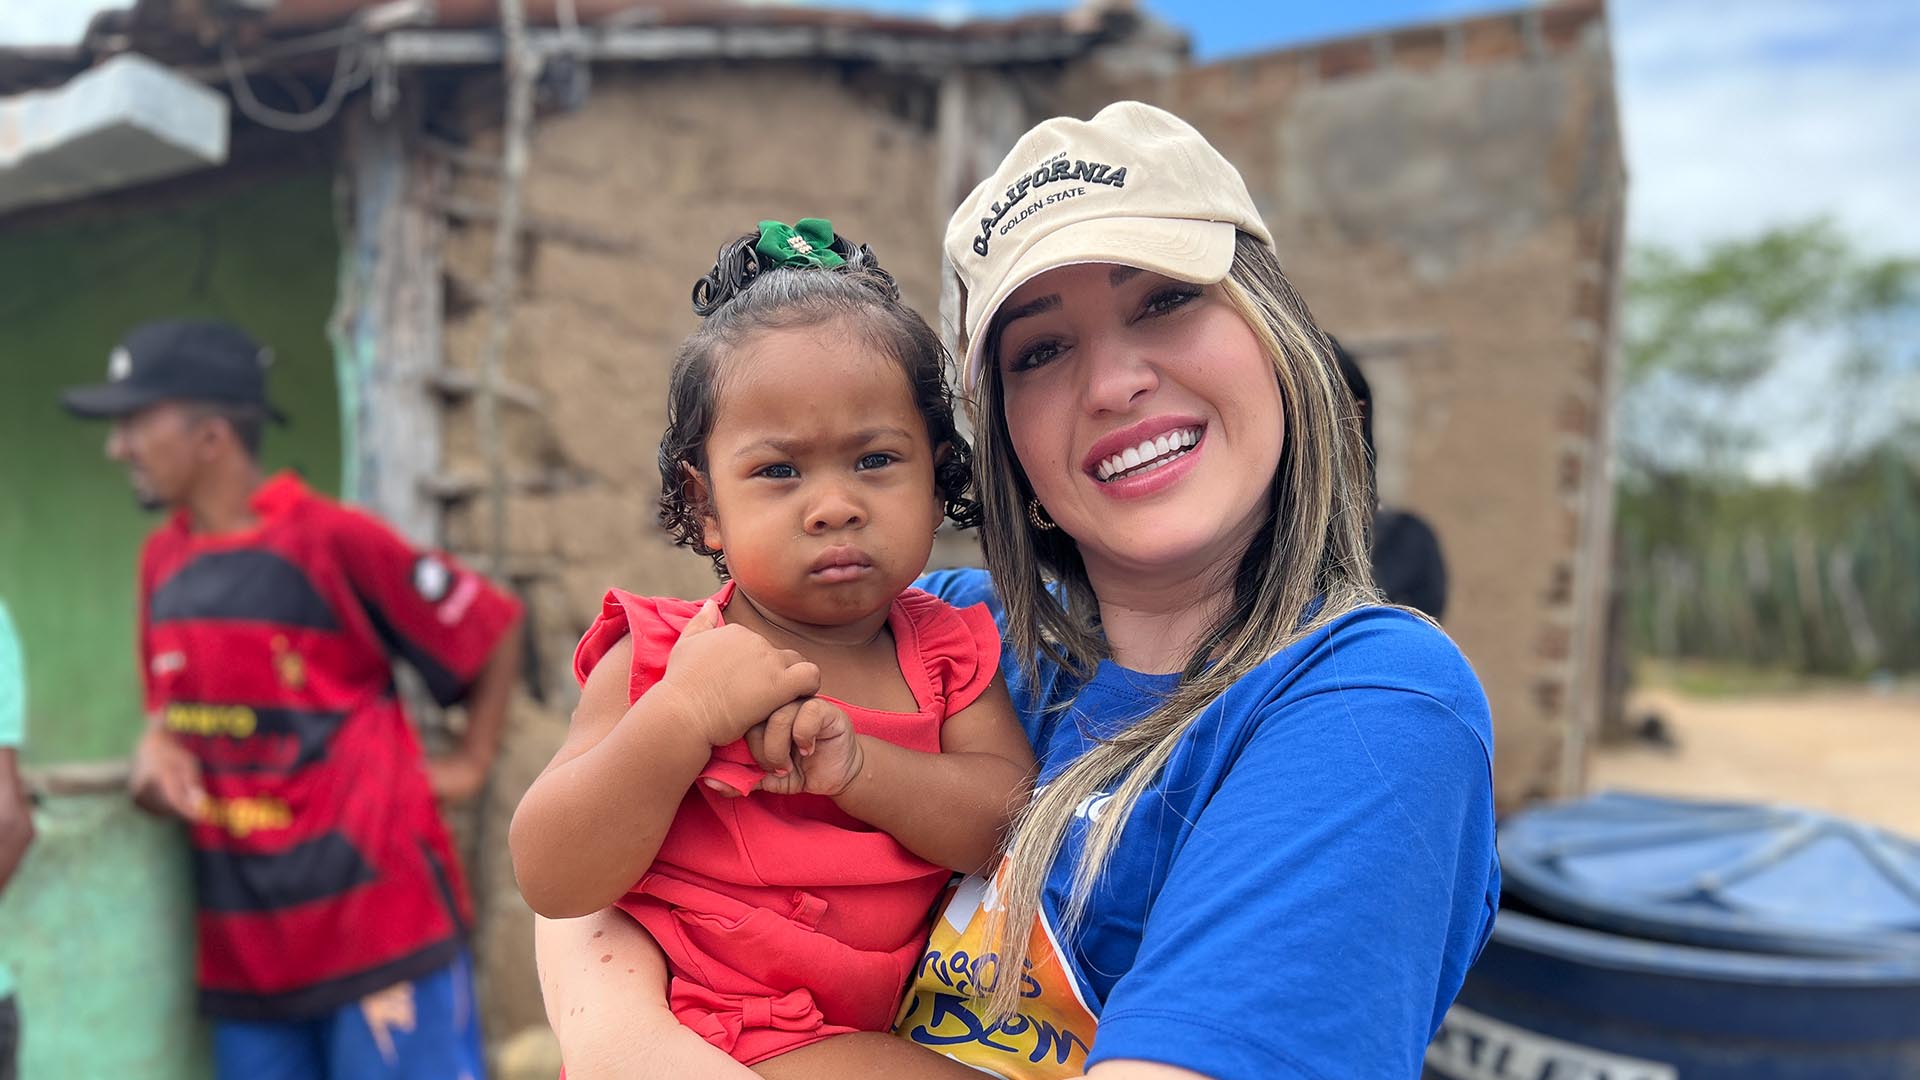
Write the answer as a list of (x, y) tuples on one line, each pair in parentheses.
[(1703, 334), (1768, 433)]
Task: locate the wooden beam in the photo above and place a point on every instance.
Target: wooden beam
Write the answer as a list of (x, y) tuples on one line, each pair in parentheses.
[(386, 322), (475, 48), (79, 778)]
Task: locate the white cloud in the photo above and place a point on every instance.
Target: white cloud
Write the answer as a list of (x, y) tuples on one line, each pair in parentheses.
[(1740, 116)]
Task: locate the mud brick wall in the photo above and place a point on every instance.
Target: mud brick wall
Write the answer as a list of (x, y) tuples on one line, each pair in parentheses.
[(1449, 200), (626, 202)]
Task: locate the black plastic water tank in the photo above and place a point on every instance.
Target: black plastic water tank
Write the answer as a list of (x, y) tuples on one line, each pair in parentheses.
[(1659, 939)]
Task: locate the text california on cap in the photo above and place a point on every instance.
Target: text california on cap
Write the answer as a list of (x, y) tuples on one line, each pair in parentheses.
[(178, 360), (1136, 185)]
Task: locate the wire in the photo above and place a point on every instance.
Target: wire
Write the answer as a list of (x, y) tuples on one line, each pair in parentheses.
[(351, 70)]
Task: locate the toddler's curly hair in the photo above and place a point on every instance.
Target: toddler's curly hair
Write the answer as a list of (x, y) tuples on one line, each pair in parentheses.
[(745, 294)]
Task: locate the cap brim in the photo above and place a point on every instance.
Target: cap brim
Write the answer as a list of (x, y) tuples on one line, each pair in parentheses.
[(110, 401), (106, 401), (1180, 248)]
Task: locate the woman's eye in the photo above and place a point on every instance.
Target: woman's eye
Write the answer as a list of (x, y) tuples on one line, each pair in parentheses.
[(875, 461), (779, 472), (1032, 356), (1168, 299)]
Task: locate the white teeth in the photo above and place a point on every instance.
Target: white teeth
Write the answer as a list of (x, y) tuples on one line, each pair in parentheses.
[(1150, 454)]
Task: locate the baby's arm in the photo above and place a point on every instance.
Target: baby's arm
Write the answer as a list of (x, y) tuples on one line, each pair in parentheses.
[(605, 985), (593, 820), (951, 808)]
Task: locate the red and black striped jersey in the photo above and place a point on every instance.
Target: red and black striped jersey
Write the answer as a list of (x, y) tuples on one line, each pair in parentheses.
[(322, 867)]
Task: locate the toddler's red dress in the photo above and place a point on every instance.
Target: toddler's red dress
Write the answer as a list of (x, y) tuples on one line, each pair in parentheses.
[(785, 920)]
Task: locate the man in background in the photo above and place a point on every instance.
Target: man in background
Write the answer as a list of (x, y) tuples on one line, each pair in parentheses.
[(16, 816), (1407, 564), (333, 915)]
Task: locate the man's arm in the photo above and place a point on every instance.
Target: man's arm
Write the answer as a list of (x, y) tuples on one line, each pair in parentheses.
[(460, 631), (16, 813), (16, 816), (166, 776), (458, 776)]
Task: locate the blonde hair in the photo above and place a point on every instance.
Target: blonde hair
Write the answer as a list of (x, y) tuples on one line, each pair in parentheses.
[(1311, 549)]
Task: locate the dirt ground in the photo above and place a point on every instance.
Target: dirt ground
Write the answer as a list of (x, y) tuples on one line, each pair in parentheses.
[(1853, 751)]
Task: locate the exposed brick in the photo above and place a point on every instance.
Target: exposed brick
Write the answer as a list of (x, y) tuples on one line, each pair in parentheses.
[(1591, 364), (1594, 238), (1590, 301), (1346, 58), (1214, 83), (1493, 39), (1560, 585), (1563, 24), (1422, 49), (1572, 466), (1274, 77), (1553, 643), (1548, 695), (1575, 416)]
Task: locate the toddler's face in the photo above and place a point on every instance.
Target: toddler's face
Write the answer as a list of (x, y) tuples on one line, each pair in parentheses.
[(822, 475)]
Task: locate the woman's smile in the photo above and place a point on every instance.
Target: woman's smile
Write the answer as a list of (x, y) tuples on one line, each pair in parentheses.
[(1146, 415)]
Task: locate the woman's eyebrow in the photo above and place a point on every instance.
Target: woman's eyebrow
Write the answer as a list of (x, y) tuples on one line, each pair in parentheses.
[(1032, 307), (1117, 277)]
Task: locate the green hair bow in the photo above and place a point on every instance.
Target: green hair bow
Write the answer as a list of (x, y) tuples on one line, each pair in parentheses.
[(807, 242)]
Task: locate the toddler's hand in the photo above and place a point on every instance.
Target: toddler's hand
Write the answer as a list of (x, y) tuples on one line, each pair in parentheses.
[(807, 746), (730, 678)]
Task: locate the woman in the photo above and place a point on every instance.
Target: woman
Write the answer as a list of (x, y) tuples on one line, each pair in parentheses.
[(1262, 845)]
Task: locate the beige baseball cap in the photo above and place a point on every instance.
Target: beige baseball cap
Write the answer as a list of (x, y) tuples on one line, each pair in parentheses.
[(1135, 185)]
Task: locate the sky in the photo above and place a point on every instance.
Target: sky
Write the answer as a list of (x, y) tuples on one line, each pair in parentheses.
[(1737, 115)]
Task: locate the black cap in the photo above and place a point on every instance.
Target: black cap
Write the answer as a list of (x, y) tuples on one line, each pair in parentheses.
[(178, 360)]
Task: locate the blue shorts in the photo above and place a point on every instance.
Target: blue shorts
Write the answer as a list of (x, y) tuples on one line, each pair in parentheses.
[(427, 1029)]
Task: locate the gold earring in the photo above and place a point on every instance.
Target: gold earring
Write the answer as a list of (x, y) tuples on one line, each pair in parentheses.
[(1038, 515)]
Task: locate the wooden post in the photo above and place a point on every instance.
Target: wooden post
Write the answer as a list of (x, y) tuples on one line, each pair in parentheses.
[(386, 321)]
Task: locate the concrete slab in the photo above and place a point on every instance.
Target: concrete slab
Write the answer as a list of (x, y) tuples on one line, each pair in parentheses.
[(126, 122)]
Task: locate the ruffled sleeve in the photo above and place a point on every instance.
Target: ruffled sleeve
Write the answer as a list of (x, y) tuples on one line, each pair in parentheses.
[(959, 647), (655, 623)]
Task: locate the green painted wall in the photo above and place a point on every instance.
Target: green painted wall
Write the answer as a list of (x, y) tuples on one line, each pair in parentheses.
[(105, 974), (265, 256)]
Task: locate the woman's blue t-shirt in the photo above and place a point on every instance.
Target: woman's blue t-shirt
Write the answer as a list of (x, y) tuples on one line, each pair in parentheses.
[(1299, 894)]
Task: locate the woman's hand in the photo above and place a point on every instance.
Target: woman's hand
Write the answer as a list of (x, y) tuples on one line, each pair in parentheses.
[(727, 679), (807, 746)]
